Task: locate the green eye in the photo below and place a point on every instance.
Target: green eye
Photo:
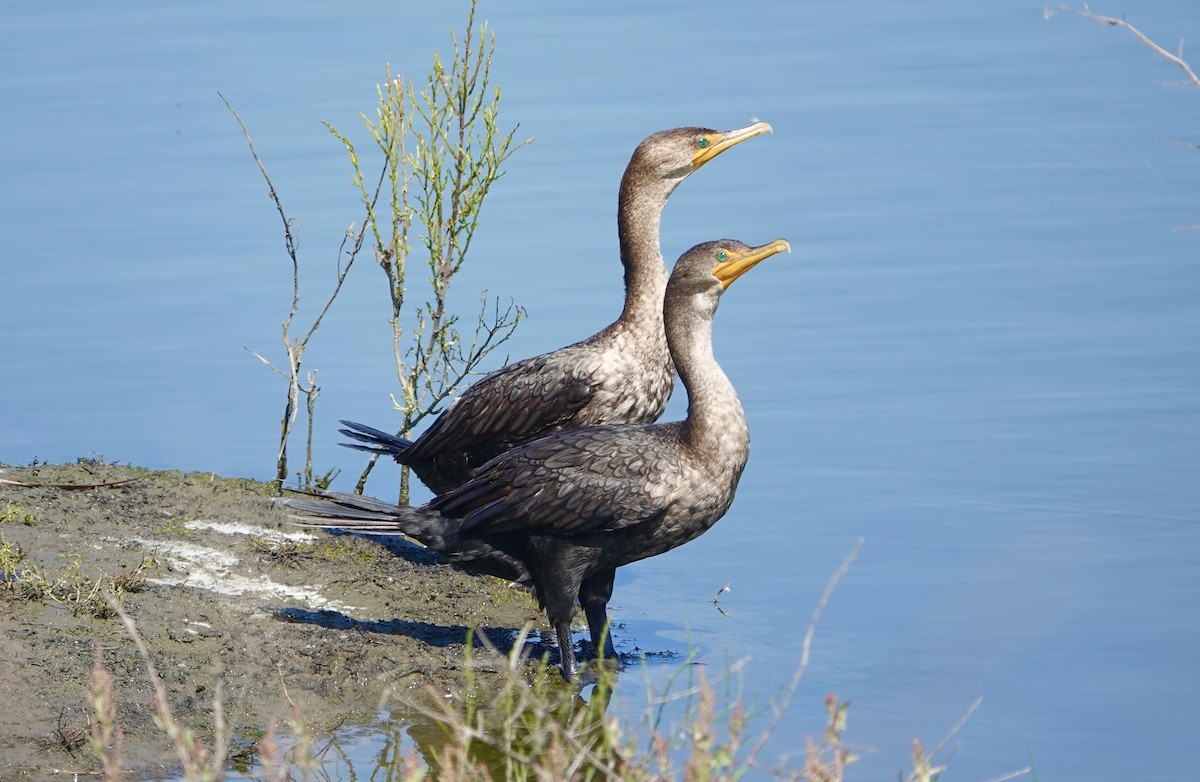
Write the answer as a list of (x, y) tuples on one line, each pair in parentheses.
[(722, 256), (702, 142)]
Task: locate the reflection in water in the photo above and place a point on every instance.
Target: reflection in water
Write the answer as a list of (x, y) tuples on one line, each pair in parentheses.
[(508, 718), (509, 724), (517, 721)]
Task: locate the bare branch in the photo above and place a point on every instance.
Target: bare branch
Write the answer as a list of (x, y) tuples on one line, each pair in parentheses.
[(1112, 21), (348, 250), (289, 239), (270, 366), (1177, 58)]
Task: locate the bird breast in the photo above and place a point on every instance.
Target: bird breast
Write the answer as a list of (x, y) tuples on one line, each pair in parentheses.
[(633, 380)]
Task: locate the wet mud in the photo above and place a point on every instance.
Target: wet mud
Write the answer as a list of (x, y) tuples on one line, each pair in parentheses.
[(223, 590)]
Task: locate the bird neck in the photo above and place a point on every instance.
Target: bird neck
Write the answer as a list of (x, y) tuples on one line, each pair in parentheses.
[(715, 419), (639, 215)]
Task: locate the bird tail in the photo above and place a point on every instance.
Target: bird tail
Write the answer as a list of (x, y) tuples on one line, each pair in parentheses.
[(375, 440), (368, 516)]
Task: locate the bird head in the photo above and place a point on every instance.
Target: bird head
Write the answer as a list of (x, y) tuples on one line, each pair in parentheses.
[(674, 154), (715, 265)]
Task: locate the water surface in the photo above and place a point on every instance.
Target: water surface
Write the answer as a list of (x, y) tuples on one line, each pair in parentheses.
[(980, 358)]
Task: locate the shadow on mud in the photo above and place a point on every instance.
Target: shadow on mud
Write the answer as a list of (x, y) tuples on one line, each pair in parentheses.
[(499, 638)]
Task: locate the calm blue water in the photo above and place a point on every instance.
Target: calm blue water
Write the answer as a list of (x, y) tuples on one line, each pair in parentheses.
[(982, 356)]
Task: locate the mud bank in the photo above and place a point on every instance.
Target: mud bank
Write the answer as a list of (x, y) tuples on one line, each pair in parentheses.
[(222, 589)]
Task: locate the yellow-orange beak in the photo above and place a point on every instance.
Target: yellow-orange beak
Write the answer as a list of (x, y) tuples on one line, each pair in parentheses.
[(719, 142), (738, 264)]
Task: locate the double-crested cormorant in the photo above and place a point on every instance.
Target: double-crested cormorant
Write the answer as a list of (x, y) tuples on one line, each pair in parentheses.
[(562, 513), (622, 374)]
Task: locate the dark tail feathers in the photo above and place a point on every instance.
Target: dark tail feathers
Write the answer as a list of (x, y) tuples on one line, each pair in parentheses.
[(367, 516), (375, 440)]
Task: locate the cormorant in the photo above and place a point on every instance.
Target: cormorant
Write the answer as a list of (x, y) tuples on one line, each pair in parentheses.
[(622, 374), (562, 513)]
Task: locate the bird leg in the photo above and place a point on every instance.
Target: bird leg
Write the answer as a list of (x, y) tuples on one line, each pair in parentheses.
[(594, 594), (566, 647), (559, 600), (557, 567)]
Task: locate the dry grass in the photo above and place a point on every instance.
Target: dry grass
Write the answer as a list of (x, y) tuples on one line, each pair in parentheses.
[(199, 761), (515, 720), (71, 587)]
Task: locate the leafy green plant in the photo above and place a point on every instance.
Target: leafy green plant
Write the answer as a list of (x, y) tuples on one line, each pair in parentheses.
[(10, 562), (442, 150), (14, 513)]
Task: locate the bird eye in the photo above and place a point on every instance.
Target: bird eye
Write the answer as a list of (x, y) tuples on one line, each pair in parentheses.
[(702, 142), (722, 256)]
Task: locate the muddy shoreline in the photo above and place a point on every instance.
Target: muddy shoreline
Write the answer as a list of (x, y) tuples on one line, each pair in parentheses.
[(222, 588)]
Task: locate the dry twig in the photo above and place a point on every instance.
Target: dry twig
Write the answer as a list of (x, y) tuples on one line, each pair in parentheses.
[(1113, 21), (73, 486), (780, 708), (295, 345)]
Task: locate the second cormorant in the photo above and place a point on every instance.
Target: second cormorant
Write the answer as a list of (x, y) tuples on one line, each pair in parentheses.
[(562, 513)]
